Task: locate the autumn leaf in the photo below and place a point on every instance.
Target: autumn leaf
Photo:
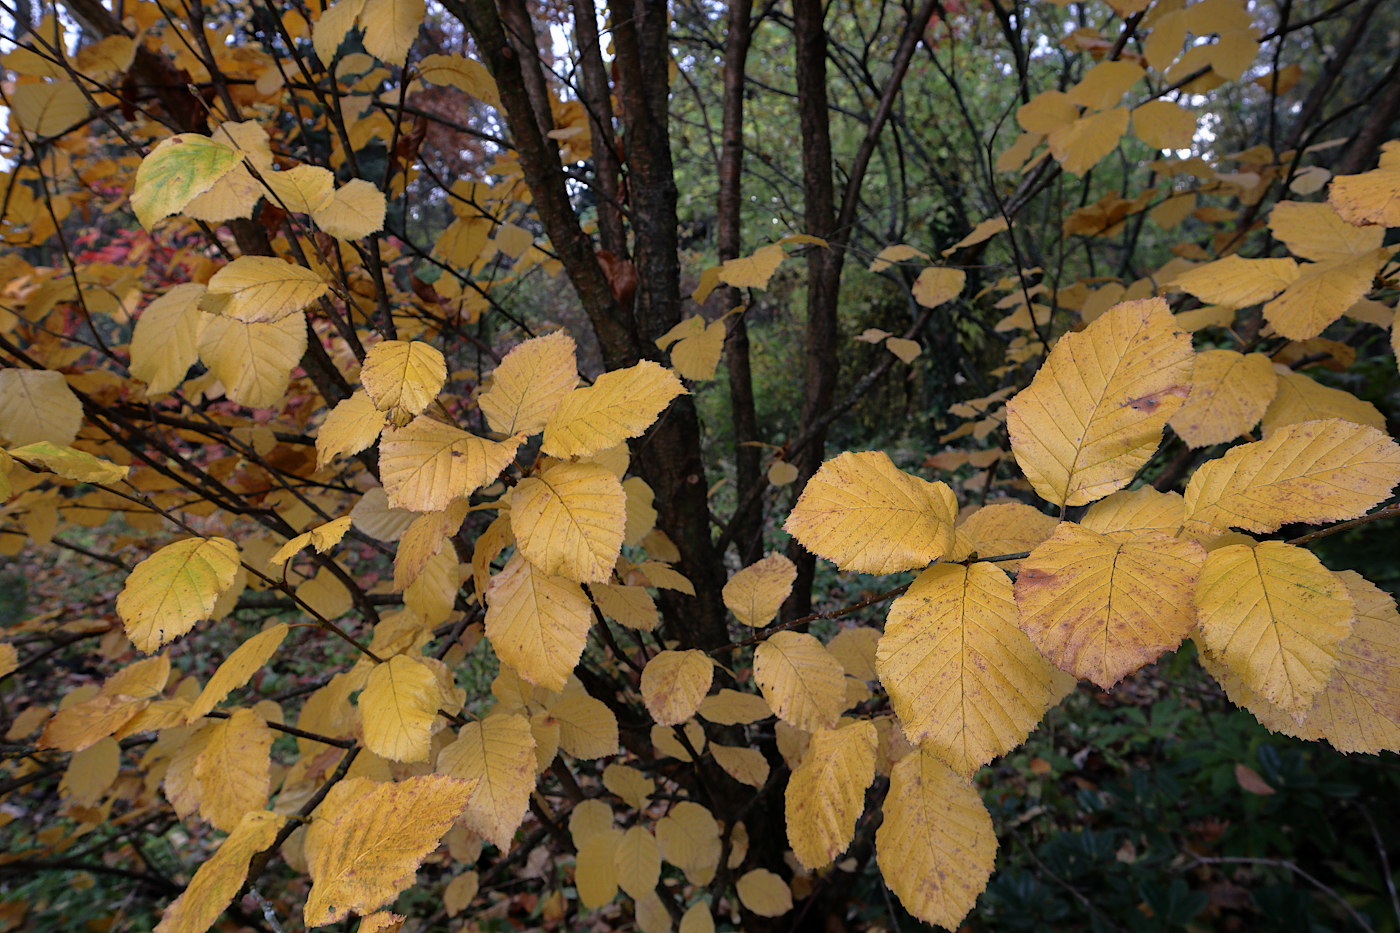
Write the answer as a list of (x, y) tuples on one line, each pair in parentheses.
[(619, 405), (497, 755), (174, 588), (403, 377), (368, 850), (756, 593), (261, 289), (1229, 394), (827, 792), (936, 845), (219, 878), (802, 682), (1094, 413), (537, 622), (569, 520), (175, 172), (399, 703), (862, 513), (966, 682), (530, 383), (674, 683), (1101, 608)]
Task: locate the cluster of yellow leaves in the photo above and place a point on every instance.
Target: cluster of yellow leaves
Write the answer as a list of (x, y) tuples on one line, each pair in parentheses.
[(972, 661)]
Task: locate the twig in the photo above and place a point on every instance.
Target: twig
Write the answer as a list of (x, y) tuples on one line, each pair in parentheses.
[(1281, 863)]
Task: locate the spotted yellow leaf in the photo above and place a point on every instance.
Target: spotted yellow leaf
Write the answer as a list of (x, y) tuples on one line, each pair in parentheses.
[(1322, 292), (569, 520), (863, 513), (827, 792), (530, 383), (1274, 615), (177, 586), (369, 845), (756, 593), (1316, 471), (537, 622), (1094, 413), (966, 682), (619, 405), (936, 846), (802, 681), (497, 754), (1229, 394), (426, 464), (674, 683)]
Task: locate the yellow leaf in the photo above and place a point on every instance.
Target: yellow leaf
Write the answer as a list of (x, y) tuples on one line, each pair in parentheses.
[(595, 874), (460, 892), (353, 425), (1122, 515), (589, 818), (638, 861), (399, 703), (168, 592), (322, 537), (383, 921), (253, 361), (496, 754), (781, 473), (9, 660), (1302, 399), (906, 350), (1046, 112), (69, 463), (1313, 472), (1163, 124), (425, 539), (1275, 616), (1369, 198), (696, 356), (674, 683), (803, 683), (537, 622), (221, 876), (980, 233), (461, 73), (569, 520), (90, 773), (641, 513), (666, 740), (764, 893), (233, 769), (246, 660), (890, 255), (631, 606), (732, 708), (1236, 282), (1229, 393), (827, 792), (48, 108), (966, 682), (1100, 608), (175, 172), (689, 838), (1093, 415), (1359, 709), (82, 724), (1079, 146), (633, 787), (300, 190), (333, 26), (863, 513), (1315, 231), (370, 850), (262, 289), (621, 404), (936, 846), (855, 649), (37, 405), (756, 593), (1007, 528), (165, 343), (355, 210), (697, 919), (1104, 85), (529, 384), (745, 765), (938, 284), (403, 377), (427, 464), (755, 270), (587, 728), (391, 26), (1322, 292)]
